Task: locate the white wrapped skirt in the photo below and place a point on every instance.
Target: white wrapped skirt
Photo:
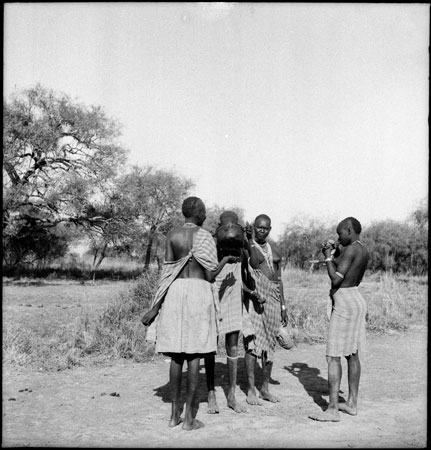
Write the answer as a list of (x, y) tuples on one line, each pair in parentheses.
[(187, 322)]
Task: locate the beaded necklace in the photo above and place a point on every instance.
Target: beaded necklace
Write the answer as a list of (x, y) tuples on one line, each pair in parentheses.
[(189, 225), (267, 254)]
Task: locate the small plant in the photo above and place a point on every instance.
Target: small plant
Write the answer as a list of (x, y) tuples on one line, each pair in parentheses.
[(119, 332)]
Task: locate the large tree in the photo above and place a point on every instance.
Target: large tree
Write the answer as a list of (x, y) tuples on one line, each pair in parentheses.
[(154, 197), (57, 155)]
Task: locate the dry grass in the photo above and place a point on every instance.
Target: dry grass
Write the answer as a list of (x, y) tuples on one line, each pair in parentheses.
[(55, 325), (394, 302), (44, 321)]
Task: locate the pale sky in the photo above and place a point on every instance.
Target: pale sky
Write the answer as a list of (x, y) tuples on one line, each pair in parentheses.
[(285, 109)]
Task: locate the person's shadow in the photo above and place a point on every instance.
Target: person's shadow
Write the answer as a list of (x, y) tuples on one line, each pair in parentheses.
[(221, 380), (313, 383), (228, 280)]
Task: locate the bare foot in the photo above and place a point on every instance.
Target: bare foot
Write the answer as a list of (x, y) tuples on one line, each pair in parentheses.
[(194, 425), (212, 403), (233, 404), (252, 399), (352, 410), (326, 416), (265, 395), (175, 421)]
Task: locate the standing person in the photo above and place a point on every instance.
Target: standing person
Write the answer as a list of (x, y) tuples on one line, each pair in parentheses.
[(183, 311), (346, 335), (265, 262), (230, 284)]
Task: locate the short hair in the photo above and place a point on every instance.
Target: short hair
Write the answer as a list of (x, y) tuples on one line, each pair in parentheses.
[(356, 225), (190, 206), (263, 216), (228, 216)]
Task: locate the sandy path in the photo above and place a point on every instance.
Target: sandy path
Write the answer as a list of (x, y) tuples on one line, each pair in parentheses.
[(68, 408)]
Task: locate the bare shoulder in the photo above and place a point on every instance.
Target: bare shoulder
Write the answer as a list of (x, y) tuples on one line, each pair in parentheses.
[(350, 251), (175, 230), (175, 234), (356, 251), (172, 232)]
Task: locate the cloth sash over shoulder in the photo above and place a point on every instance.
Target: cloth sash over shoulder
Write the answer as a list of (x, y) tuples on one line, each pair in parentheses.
[(265, 319), (203, 251)]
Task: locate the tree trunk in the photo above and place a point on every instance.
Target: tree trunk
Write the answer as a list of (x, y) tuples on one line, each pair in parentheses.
[(96, 263), (149, 249)]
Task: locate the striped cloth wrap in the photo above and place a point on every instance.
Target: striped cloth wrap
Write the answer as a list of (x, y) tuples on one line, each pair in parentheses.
[(204, 251), (346, 333), (233, 316), (265, 318)]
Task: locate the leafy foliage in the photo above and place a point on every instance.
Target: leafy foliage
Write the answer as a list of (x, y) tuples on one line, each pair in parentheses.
[(301, 241), (153, 197), (393, 245), (56, 155), (213, 216)]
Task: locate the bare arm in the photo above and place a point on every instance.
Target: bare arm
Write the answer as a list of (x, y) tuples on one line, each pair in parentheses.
[(281, 288), (256, 257), (150, 315), (337, 271), (211, 275)]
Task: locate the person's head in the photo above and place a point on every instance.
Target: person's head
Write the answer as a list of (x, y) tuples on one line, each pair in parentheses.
[(228, 217), (194, 209), (262, 227), (348, 230)]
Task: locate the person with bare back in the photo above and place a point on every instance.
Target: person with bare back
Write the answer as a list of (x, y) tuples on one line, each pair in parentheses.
[(232, 284), (347, 311), (182, 316), (265, 266)]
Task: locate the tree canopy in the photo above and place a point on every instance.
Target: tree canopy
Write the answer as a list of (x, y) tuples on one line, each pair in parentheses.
[(57, 155)]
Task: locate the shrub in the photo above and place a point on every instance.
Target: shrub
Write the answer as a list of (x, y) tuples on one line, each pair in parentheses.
[(119, 332)]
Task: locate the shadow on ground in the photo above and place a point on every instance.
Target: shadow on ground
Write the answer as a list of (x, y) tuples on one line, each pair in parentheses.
[(221, 381), (315, 385)]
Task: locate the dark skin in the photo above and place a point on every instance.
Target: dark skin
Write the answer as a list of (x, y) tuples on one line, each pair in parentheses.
[(351, 263), (231, 343), (261, 230), (179, 242)]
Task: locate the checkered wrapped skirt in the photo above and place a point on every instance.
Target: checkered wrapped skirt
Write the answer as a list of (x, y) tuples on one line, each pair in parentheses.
[(346, 333)]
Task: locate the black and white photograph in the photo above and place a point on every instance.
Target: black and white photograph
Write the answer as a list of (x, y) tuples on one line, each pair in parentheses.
[(215, 224)]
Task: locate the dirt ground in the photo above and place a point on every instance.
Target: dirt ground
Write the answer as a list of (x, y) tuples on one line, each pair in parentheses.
[(75, 408)]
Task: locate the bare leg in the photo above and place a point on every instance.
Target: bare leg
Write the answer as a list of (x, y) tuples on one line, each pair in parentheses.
[(250, 364), (267, 369), (175, 377), (210, 375), (354, 374), (192, 383), (232, 364), (334, 379)]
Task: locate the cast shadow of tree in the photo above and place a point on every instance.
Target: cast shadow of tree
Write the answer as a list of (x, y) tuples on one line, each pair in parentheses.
[(315, 385)]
